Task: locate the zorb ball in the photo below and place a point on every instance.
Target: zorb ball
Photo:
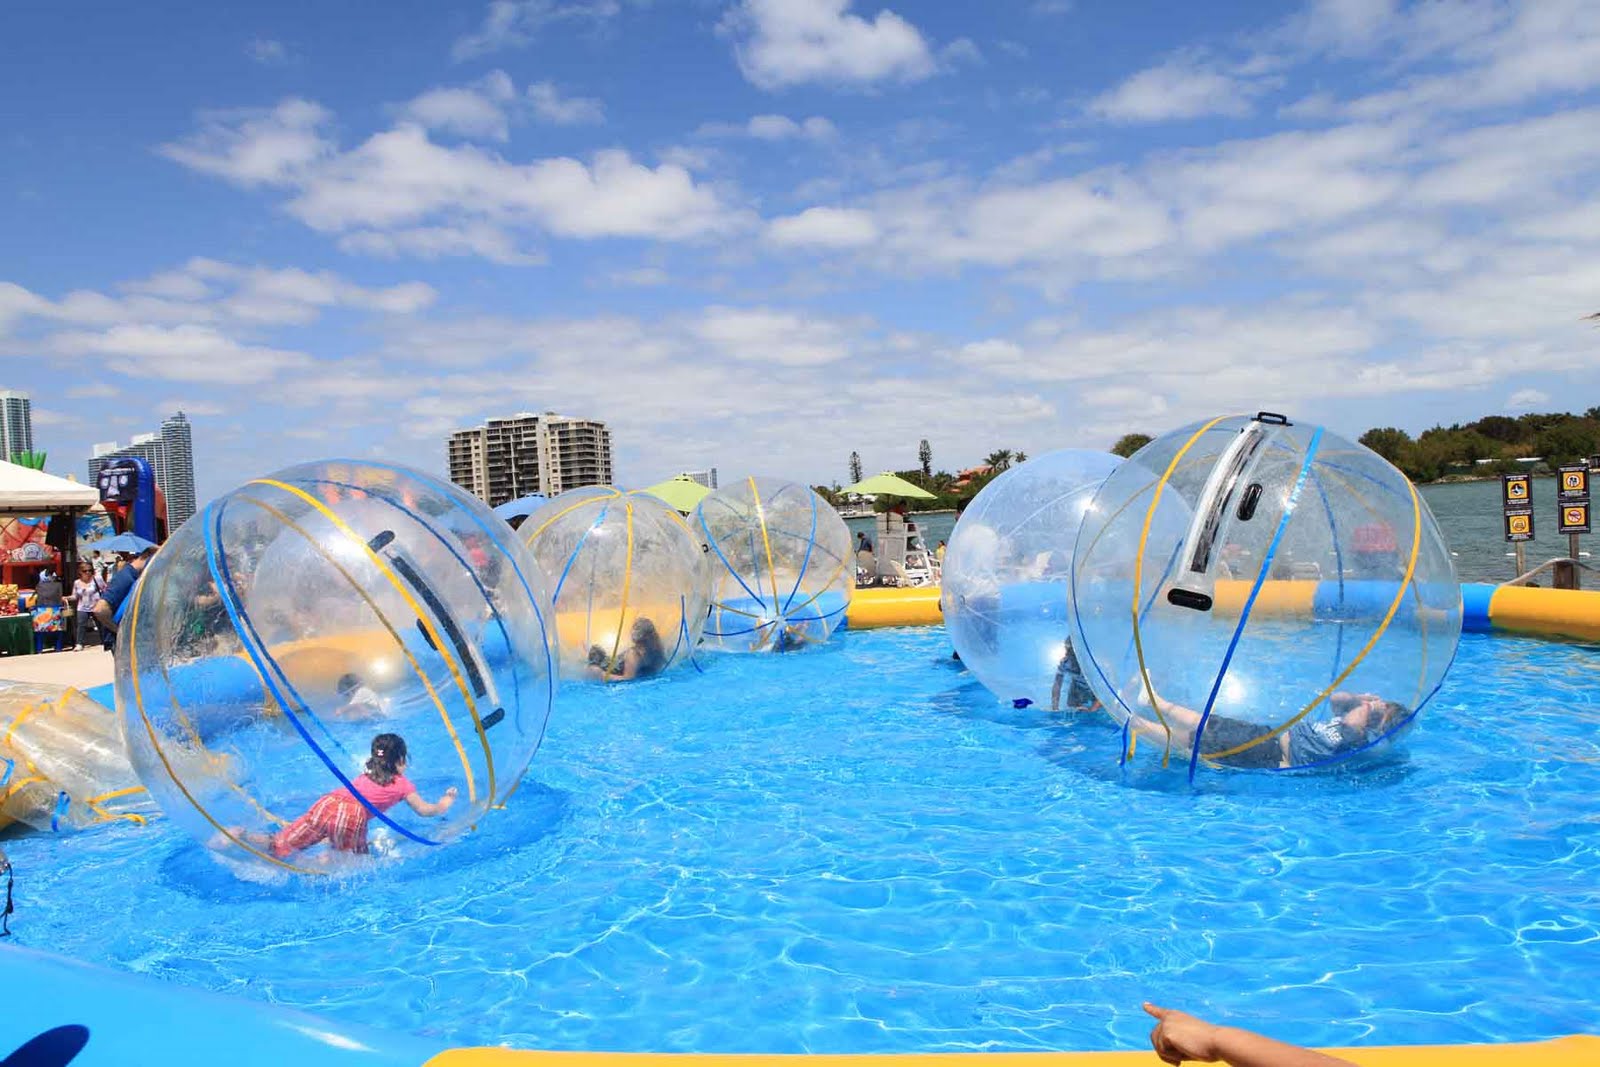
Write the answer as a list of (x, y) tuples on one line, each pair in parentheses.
[(1007, 574), (629, 581), (299, 616), (1255, 593), (782, 565)]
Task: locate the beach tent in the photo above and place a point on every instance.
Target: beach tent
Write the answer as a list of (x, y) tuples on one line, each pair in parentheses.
[(681, 493), (514, 511), (887, 484), (27, 492)]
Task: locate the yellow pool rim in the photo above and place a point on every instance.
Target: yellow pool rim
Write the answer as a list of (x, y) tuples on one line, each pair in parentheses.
[(1555, 613), (1563, 1051)]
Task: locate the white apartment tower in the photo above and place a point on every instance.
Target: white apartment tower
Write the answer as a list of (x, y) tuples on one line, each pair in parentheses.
[(16, 423), (509, 458)]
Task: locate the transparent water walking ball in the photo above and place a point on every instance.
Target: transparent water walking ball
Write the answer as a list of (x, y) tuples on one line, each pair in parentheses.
[(782, 566), (1007, 575), (1255, 593), (300, 615), (629, 580)]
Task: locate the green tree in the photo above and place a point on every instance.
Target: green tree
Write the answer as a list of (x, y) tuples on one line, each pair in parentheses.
[(1129, 443), (1020, 458), (1568, 441), (925, 458), (1390, 443), (1500, 428), (998, 460), (855, 467), (942, 482)]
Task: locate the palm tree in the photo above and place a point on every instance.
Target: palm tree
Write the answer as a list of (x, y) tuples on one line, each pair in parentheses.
[(998, 460), (1021, 458)]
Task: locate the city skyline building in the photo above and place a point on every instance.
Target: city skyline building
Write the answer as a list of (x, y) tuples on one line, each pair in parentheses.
[(170, 454), (16, 423), (707, 477), (509, 458)]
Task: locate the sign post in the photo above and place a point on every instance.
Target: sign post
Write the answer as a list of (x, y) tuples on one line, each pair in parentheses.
[(1516, 505), (1572, 504)]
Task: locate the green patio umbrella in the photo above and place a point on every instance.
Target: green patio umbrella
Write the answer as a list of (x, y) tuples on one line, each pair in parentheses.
[(681, 493), (887, 484)]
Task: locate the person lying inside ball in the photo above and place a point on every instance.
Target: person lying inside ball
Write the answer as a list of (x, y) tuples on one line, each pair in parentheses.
[(1342, 724), (340, 819), (357, 701)]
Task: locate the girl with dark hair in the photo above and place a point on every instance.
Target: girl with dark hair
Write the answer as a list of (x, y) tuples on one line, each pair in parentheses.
[(646, 656), (341, 820)]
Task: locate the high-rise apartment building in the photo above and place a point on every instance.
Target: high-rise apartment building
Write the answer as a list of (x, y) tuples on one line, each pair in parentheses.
[(16, 423), (572, 453), (170, 455), (469, 461), (505, 459), (707, 477)]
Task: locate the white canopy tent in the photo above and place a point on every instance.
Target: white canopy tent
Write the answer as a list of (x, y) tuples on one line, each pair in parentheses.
[(27, 492)]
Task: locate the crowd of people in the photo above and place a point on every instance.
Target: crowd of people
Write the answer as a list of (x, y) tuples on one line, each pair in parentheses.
[(85, 614)]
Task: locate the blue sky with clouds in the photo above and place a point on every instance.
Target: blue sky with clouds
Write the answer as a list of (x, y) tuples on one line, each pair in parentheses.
[(758, 234)]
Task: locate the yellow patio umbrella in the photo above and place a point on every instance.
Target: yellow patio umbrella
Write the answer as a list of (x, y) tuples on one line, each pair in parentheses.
[(681, 493), (886, 484)]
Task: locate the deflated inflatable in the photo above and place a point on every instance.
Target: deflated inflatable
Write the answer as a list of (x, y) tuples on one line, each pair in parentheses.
[(62, 762)]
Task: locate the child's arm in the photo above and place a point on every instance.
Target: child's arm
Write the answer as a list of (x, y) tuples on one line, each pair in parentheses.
[(422, 807), (1179, 1036)]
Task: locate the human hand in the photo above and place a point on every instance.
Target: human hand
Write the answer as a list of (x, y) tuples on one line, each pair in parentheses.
[(1179, 1036), (448, 799)]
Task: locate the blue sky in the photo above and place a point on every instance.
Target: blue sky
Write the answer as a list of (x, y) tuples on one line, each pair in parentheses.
[(760, 234)]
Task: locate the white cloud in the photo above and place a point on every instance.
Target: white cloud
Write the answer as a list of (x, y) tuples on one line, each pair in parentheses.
[(764, 335), (1343, 26), (267, 52), (824, 227), (93, 391), (477, 111), (516, 23), (180, 353), (641, 277), (550, 106), (253, 147), (1183, 87), (204, 327), (436, 242), (772, 128), (192, 408), (443, 197), (780, 43), (1527, 398), (400, 178)]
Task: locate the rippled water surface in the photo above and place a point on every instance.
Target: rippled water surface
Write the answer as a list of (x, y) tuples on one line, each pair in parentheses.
[(854, 849)]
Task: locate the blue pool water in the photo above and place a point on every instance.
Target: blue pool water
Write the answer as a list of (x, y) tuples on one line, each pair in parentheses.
[(854, 849)]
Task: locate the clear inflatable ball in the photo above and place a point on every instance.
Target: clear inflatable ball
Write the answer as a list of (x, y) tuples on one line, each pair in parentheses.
[(1007, 573), (629, 580), (314, 644), (1254, 593), (783, 570)]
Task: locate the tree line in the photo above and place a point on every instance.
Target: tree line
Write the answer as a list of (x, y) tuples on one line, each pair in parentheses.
[(947, 494), (1492, 445)]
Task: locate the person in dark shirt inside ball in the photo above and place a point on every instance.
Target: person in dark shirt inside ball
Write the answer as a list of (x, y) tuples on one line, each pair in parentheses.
[(645, 657), (1079, 696), (1343, 723)]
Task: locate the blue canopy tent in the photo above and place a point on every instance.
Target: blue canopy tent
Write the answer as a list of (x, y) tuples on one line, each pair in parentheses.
[(514, 511), (123, 542)]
